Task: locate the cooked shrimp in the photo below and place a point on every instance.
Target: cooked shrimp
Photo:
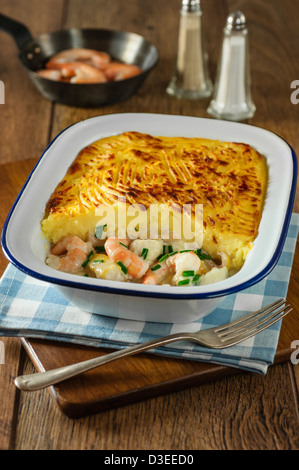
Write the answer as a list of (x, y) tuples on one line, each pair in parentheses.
[(183, 262), (156, 274), (118, 71), (78, 72), (92, 57), (76, 253), (135, 266), (95, 241), (50, 74), (175, 264)]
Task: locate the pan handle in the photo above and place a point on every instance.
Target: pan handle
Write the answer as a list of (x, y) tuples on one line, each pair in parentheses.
[(17, 30)]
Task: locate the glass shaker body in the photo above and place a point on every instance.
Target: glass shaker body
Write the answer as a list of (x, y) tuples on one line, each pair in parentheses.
[(191, 79), (232, 95)]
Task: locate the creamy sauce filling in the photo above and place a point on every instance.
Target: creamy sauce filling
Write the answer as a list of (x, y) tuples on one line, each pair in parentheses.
[(151, 262)]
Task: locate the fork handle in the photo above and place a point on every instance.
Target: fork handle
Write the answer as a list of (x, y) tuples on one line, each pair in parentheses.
[(39, 380)]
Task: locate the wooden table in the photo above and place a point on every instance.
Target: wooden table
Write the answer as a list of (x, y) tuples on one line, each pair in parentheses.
[(247, 411)]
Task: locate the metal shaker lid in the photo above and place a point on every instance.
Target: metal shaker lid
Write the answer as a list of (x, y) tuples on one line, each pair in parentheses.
[(191, 6), (235, 21)]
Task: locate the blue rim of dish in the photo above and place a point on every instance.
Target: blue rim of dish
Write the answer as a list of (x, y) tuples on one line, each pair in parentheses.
[(133, 293)]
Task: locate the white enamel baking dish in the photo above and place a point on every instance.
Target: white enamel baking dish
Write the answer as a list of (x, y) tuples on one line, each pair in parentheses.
[(24, 245)]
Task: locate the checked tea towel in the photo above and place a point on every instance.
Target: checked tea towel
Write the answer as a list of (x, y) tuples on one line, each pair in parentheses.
[(34, 309)]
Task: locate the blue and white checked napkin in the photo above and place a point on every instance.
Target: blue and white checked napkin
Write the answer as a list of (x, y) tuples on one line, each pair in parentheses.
[(35, 309)]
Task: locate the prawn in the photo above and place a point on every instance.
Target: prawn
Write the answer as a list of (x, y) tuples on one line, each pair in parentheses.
[(50, 74), (115, 71), (174, 264), (183, 262), (87, 56), (78, 72), (156, 275), (95, 242), (118, 251), (76, 253)]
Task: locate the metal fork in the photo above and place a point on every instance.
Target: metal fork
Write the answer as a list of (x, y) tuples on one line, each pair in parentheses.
[(220, 337)]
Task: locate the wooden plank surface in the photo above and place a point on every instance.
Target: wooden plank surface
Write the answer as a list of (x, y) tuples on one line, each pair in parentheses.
[(24, 113), (242, 412), (245, 412)]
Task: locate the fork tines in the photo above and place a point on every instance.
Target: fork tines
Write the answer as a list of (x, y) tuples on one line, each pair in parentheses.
[(254, 322)]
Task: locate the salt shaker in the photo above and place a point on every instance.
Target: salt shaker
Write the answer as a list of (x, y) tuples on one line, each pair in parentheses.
[(191, 78), (232, 97)]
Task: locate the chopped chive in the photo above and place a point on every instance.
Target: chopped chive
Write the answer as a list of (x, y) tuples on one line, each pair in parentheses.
[(163, 257), (170, 249), (144, 253), (100, 249), (201, 255), (87, 260), (172, 253), (98, 261), (99, 230), (164, 249), (123, 268), (185, 251), (188, 273), (86, 275), (183, 282), (196, 279), (123, 244), (157, 266)]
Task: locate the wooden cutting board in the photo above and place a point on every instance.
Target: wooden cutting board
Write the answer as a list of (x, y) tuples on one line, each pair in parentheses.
[(143, 376), (134, 378)]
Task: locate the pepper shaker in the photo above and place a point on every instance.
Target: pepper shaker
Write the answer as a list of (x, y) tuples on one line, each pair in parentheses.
[(232, 96), (191, 78)]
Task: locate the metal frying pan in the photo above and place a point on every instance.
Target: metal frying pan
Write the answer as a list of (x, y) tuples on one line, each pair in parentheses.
[(122, 46)]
